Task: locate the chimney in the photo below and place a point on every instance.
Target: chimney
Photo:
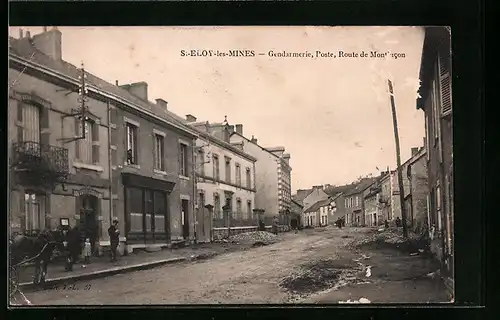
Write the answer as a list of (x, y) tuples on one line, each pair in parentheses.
[(49, 42), (254, 140), (116, 83), (190, 118), (21, 33), (286, 157), (138, 89), (44, 29), (28, 34), (161, 103), (425, 142), (239, 129), (414, 151)]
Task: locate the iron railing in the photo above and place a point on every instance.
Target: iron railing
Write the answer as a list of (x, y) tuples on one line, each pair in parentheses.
[(42, 160)]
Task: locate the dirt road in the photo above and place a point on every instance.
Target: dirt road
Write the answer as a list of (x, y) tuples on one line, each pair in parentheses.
[(303, 267)]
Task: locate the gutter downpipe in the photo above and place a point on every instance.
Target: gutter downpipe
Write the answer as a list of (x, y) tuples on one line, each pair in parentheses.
[(110, 170)]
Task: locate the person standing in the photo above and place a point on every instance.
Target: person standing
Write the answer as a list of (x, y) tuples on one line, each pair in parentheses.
[(275, 225), (114, 238)]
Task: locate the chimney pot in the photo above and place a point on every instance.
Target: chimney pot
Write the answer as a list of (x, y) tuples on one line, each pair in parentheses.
[(116, 83), (161, 103), (21, 35), (239, 129), (190, 118), (44, 29), (28, 34)]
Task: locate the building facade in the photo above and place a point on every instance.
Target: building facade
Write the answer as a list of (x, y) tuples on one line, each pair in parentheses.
[(436, 102), (272, 176), (109, 172), (58, 147), (152, 169), (225, 176), (315, 194), (354, 203)]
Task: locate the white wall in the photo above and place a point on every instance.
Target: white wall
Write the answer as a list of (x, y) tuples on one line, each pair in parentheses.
[(266, 176)]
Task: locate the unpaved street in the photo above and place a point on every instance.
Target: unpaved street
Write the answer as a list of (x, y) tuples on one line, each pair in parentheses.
[(303, 267)]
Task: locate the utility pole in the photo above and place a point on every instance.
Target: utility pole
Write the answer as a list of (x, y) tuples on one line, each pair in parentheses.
[(398, 161)]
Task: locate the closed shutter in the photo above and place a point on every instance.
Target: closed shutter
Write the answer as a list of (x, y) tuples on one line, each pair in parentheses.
[(78, 132), (20, 129), (445, 83)]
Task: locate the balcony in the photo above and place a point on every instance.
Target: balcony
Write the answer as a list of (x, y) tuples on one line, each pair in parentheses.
[(40, 164)]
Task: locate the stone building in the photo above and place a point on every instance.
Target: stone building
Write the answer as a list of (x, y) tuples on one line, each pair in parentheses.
[(225, 176), (354, 204), (134, 162), (58, 147)]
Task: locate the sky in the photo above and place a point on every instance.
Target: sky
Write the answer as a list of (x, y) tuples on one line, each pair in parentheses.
[(333, 115)]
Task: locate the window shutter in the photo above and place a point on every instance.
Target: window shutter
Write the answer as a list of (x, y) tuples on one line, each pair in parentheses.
[(95, 131), (179, 158), (44, 118), (78, 133), (445, 84), (20, 128)]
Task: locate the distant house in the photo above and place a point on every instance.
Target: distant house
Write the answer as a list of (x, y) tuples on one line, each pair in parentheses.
[(318, 214), (354, 204), (316, 194), (337, 194)]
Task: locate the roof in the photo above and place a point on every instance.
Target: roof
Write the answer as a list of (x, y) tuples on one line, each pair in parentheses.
[(302, 194), (25, 49), (224, 144), (335, 191), (315, 207), (297, 203), (361, 186)]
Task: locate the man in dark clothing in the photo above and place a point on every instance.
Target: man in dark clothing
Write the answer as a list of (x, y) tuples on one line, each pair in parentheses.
[(114, 238), (398, 222), (73, 247)]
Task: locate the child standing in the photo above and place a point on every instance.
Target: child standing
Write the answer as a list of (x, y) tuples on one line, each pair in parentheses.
[(87, 250)]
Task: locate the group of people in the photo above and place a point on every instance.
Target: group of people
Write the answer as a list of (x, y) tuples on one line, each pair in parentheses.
[(68, 240)]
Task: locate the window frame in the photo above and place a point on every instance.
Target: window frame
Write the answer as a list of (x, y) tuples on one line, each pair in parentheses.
[(184, 159), (131, 143), (159, 151)]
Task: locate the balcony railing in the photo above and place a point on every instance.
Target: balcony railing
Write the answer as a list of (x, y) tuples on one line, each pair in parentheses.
[(41, 161)]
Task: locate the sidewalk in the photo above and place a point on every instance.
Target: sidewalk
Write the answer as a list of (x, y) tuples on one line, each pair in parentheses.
[(102, 266)]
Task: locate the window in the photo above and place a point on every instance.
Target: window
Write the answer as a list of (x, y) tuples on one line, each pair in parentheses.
[(445, 84), (438, 207), (217, 207), (201, 163), (238, 208), (249, 178), (84, 145), (34, 207), (135, 202), (249, 214), (228, 170), (159, 145), (132, 150), (427, 137), (30, 116), (435, 109), (216, 167), (346, 204), (183, 160), (238, 174)]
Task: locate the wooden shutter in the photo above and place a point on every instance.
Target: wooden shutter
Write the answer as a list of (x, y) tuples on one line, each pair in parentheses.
[(78, 133), (20, 128), (445, 83)]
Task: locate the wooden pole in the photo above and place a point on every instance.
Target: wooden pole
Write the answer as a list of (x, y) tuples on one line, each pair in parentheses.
[(398, 161)]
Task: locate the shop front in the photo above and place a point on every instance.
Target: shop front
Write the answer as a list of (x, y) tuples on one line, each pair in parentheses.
[(146, 209)]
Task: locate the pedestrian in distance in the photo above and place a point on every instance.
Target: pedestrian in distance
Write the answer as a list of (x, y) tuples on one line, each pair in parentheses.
[(386, 224), (398, 222), (87, 250), (114, 238), (275, 225)]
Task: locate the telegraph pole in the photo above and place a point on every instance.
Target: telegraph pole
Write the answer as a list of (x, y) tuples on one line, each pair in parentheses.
[(398, 161)]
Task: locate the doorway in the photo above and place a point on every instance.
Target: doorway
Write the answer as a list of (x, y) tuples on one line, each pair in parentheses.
[(185, 218), (88, 225)]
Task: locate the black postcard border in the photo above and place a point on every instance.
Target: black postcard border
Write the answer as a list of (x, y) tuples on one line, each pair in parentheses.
[(466, 23)]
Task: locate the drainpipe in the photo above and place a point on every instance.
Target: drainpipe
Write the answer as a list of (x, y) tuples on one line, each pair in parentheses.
[(195, 191), (110, 170)]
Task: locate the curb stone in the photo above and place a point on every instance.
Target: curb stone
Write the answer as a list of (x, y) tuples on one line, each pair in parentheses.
[(102, 273)]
